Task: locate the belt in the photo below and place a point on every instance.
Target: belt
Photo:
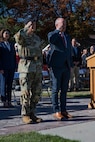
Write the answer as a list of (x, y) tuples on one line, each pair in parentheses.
[(30, 58)]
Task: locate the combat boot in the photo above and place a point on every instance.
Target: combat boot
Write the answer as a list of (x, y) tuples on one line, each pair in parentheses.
[(26, 119), (35, 118)]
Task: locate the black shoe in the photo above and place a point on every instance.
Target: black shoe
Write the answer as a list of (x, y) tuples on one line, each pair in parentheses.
[(5, 104), (10, 105), (76, 89), (70, 89)]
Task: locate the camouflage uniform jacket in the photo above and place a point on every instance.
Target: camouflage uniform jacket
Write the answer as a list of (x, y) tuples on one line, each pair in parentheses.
[(29, 49)]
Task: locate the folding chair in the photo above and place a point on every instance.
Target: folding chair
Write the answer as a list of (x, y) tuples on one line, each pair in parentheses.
[(46, 82), (84, 80), (15, 87)]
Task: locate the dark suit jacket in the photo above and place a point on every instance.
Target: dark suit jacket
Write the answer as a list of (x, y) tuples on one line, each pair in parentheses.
[(7, 58), (59, 55)]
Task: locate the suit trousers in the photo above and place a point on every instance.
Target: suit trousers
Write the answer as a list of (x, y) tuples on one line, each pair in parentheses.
[(8, 77), (60, 79), (2, 85)]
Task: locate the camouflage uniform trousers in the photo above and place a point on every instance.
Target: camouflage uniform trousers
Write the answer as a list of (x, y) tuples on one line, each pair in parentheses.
[(31, 89)]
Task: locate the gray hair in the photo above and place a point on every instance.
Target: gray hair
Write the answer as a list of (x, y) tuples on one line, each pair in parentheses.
[(57, 20)]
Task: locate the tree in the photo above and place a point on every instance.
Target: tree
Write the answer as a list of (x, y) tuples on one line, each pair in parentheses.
[(80, 14)]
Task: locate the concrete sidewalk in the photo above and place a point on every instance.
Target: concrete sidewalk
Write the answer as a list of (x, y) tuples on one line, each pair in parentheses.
[(80, 127), (84, 132)]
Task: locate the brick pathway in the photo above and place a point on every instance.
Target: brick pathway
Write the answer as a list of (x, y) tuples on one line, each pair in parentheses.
[(10, 118)]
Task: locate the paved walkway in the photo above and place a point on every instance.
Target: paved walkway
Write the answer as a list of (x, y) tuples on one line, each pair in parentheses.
[(80, 127)]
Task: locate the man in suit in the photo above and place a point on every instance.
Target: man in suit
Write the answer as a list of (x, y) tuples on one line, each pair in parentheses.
[(59, 62)]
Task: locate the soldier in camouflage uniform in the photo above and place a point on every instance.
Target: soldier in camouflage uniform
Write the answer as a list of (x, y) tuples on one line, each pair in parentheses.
[(30, 69)]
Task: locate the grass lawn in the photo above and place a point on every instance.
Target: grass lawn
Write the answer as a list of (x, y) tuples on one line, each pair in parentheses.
[(80, 94), (33, 137), (83, 93)]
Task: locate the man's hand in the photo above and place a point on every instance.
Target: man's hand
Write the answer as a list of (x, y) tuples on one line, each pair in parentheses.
[(28, 25)]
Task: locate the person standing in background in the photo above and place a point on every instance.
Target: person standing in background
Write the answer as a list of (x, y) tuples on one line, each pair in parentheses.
[(92, 50), (2, 85), (84, 67), (76, 59), (84, 55), (59, 62), (17, 55), (30, 70), (7, 66)]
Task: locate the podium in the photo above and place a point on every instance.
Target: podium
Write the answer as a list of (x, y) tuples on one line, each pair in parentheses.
[(91, 65)]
